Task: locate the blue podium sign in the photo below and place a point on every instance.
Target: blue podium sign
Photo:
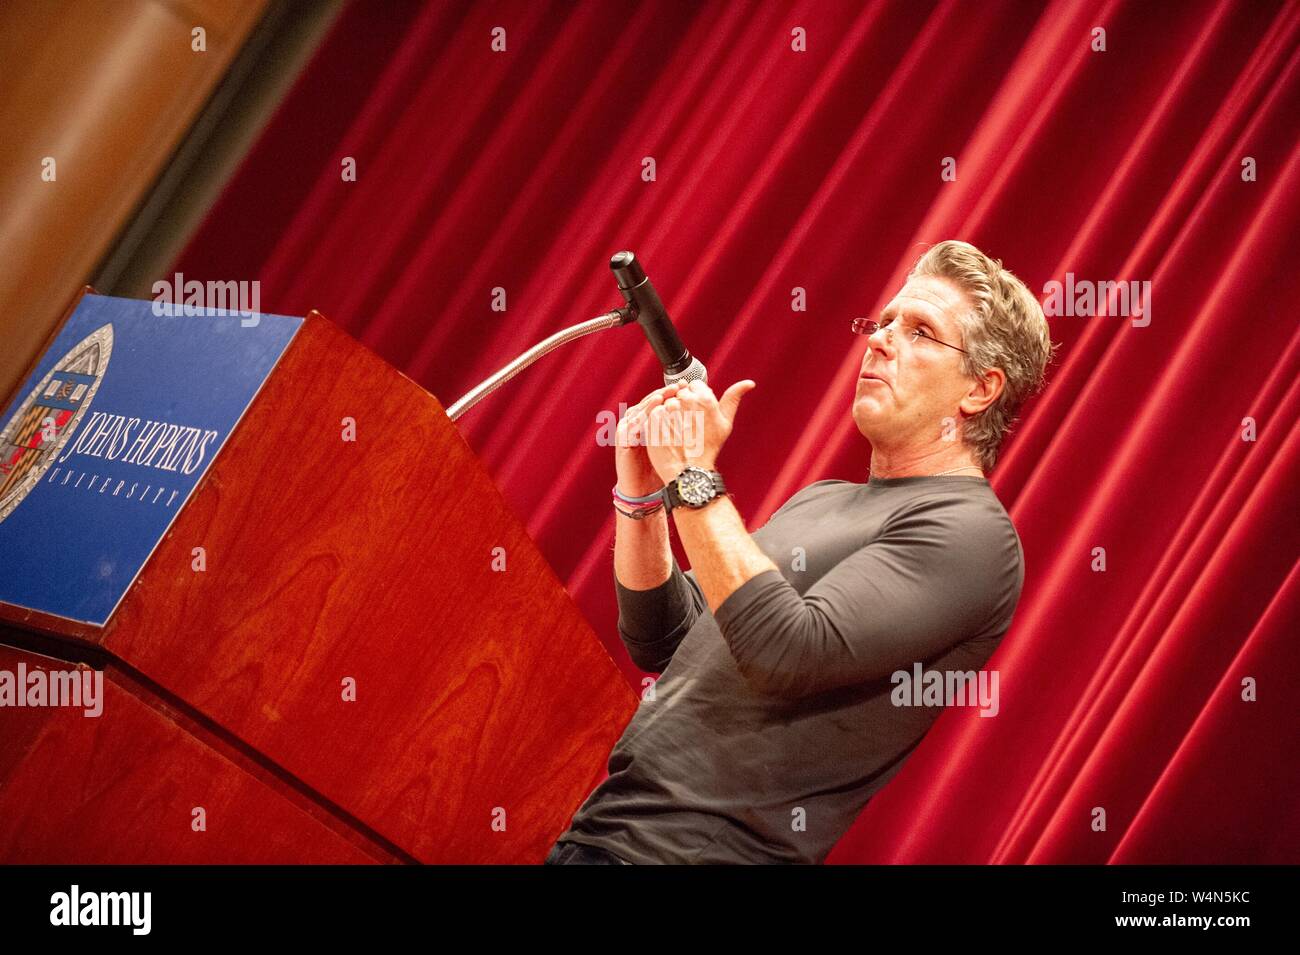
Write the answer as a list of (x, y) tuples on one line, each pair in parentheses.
[(107, 439)]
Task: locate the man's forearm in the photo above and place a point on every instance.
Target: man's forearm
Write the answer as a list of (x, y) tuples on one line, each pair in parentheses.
[(643, 558), (722, 553)]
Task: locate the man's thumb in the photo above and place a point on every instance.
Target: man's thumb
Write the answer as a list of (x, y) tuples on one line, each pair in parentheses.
[(730, 399)]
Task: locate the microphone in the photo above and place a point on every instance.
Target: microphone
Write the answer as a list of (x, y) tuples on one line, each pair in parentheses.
[(679, 364)]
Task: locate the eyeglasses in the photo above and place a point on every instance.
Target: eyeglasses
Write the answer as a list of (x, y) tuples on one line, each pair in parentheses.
[(869, 326)]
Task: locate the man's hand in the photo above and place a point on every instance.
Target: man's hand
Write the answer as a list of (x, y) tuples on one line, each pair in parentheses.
[(636, 475), (691, 426)]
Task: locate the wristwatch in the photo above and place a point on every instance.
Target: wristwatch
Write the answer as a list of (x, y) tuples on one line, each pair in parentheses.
[(694, 487)]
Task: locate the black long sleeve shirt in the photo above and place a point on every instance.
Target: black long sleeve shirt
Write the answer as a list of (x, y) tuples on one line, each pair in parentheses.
[(775, 720)]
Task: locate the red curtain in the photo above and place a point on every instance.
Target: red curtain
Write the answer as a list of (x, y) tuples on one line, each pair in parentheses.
[(1161, 689)]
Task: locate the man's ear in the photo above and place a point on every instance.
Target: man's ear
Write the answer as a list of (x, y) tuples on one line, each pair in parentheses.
[(983, 391)]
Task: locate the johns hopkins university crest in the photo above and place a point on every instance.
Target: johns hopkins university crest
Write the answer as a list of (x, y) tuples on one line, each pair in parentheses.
[(44, 422)]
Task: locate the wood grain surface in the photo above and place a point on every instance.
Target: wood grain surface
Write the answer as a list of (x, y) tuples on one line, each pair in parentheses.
[(485, 707)]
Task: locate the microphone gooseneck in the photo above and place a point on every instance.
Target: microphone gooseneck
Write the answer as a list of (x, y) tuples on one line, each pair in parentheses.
[(643, 306)]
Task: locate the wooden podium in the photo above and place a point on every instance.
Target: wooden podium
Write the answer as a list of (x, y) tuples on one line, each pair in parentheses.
[(375, 665)]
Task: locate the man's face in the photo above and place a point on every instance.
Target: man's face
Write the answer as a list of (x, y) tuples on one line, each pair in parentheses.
[(906, 388)]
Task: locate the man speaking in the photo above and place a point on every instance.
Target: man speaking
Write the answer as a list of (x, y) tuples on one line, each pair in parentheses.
[(773, 721)]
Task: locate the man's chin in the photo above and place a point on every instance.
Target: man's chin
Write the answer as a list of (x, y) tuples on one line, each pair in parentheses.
[(867, 409), (868, 423)]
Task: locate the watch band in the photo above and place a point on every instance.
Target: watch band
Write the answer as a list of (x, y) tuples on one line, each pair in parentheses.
[(672, 496)]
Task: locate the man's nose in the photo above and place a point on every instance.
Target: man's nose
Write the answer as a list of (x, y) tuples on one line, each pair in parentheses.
[(882, 342)]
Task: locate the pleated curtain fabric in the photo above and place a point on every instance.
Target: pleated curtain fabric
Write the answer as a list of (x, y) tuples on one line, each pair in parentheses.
[(778, 167)]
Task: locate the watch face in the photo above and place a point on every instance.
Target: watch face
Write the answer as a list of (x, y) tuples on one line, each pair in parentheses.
[(695, 486)]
